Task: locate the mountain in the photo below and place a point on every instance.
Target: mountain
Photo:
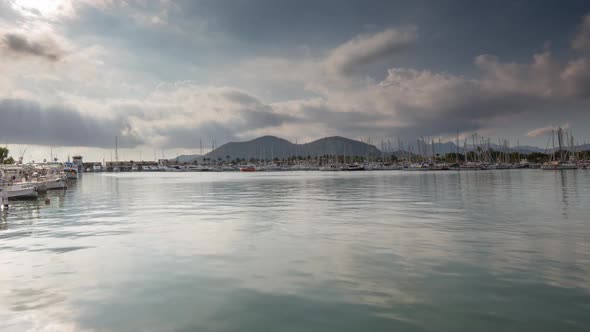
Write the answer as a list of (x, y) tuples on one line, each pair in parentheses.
[(269, 147), (188, 158)]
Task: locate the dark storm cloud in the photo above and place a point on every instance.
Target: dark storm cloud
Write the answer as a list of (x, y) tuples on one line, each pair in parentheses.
[(252, 119), (21, 45), (245, 120), (26, 122), (253, 114)]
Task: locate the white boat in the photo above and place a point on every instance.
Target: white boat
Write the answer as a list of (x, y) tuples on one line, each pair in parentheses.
[(272, 168), (330, 168), (22, 190), (174, 168), (353, 167), (51, 183), (197, 168), (470, 165), (97, 168), (418, 167)]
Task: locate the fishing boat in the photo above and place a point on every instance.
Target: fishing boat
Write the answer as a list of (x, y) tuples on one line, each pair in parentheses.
[(51, 183), (22, 190), (71, 171)]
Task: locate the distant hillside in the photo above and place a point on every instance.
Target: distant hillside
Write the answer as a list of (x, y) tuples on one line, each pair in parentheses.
[(268, 147), (187, 158)]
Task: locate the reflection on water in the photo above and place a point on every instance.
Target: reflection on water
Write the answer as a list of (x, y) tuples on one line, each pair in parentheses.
[(378, 251)]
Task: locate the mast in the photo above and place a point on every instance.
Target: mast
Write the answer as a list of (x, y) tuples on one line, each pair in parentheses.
[(116, 148), (560, 141), (457, 148), (553, 142)]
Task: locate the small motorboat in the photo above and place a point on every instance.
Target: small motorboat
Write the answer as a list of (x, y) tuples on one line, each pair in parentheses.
[(248, 168)]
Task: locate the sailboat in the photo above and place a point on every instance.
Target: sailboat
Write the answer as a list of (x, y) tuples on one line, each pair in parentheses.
[(561, 164)]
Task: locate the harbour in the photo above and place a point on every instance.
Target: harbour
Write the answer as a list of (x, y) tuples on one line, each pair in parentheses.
[(321, 166), (416, 251)]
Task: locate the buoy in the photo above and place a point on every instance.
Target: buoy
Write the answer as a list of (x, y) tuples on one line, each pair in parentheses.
[(47, 201)]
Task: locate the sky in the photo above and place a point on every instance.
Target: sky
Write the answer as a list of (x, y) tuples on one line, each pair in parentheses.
[(166, 76)]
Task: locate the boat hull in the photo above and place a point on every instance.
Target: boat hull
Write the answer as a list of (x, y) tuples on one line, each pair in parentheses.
[(21, 193), (53, 184)]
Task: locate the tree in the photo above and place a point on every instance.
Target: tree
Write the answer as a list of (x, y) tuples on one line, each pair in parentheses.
[(3, 154), (4, 158), (537, 157)]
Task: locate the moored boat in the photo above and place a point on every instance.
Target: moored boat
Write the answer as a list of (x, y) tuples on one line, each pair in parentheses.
[(71, 171), (23, 190), (557, 166), (197, 168), (353, 167), (330, 168), (248, 168)]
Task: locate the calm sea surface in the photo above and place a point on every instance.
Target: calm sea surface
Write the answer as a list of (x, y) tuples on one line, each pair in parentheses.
[(307, 251)]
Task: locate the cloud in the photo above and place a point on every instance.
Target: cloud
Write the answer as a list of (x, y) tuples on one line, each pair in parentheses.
[(177, 115), (581, 40), (545, 130), (411, 102), (21, 45), (26, 122), (576, 78), (114, 85), (366, 49)]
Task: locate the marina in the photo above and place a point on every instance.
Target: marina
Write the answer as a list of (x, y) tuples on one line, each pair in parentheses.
[(294, 166), (391, 249), (30, 180)]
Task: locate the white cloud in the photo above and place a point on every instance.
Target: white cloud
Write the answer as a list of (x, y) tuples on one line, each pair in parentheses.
[(366, 49), (545, 130)]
